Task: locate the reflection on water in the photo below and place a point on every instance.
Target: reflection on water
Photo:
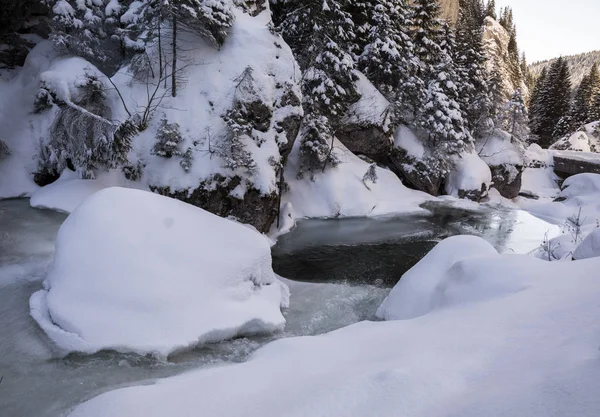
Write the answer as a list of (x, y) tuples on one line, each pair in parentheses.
[(378, 251)]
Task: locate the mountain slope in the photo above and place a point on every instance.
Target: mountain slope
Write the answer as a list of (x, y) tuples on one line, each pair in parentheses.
[(579, 64)]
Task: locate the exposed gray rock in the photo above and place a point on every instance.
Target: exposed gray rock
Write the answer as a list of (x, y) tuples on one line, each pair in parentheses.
[(255, 209), (474, 195), (507, 179), (414, 173), (367, 139)]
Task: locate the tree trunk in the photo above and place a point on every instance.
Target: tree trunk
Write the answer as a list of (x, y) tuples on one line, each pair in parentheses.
[(174, 69)]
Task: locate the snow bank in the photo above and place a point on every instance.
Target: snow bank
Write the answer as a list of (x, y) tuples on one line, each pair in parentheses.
[(532, 352), (135, 271), (428, 284), (590, 247), (372, 108), (406, 139), (469, 174), (68, 192), (341, 191)]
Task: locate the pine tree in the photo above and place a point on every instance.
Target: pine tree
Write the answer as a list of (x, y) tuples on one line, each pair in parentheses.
[(168, 139), (321, 33), (582, 102), (491, 9), (388, 57), (517, 119), (470, 59), (536, 104), (92, 30), (440, 115), (553, 102)]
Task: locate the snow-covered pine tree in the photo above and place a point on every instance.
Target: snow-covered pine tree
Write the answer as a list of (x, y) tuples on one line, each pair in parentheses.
[(517, 119), (92, 30), (553, 102), (168, 139), (159, 20), (470, 59), (536, 105), (388, 57), (491, 9), (320, 33), (589, 87), (440, 116)]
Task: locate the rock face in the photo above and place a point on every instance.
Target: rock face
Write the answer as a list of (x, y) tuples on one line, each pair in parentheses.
[(258, 210), (414, 173), (495, 40), (366, 129), (507, 179)]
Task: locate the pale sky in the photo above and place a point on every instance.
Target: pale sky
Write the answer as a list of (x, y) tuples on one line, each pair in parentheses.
[(550, 28)]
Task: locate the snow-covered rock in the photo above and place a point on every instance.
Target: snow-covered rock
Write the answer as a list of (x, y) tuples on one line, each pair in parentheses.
[(409, 161), (524, 345), (135, 271), (343, 191), (366, 129), (68, 192), (505, 159), (590, 247), (586, 139), (430, 283), (470, 178), (495, 41)]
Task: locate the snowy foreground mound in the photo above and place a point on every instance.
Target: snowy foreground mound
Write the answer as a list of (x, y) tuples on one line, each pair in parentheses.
[(135, 271), (521, 340)]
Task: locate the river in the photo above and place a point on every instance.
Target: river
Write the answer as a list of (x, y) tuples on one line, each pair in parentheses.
[(342, 270)]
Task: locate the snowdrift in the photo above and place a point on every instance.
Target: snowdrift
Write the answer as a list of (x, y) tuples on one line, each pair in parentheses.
[(526, 344), (135, 271)]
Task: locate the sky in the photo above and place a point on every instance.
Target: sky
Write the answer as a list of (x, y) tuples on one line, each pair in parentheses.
[(551, 28)]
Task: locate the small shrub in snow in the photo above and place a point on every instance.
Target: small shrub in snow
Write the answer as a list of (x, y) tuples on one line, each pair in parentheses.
[(133, 172), (4, 150), (316, 145), (168, 139), (45, 98), (186, 160), (370, 175)]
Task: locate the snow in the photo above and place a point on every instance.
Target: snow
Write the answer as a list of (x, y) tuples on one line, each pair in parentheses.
[(406, 139), (68, 192), (536, 156), (510, 335), (587, 139), (372, 108), (498, 149), (579, 156), (590, 247), (164, 275), (469, 174), (425, 286), (541, 182), (341, 192)]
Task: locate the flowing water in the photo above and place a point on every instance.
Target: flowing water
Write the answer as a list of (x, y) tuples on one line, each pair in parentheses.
[(343, 270)]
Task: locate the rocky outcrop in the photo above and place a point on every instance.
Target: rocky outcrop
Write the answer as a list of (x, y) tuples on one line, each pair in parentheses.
[(507, 179), (219, 197), (415, 173)]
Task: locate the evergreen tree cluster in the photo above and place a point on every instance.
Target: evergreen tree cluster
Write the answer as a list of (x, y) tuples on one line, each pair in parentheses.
[(554, 110), (433, 74)]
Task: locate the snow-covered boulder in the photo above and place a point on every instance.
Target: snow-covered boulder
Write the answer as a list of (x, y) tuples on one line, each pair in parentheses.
[(442, 279), (135, 271), (408, 160), (366, 129), (586, 139), (504, 156), (581, 185), (69, 191), (470, 178), (590, 247)]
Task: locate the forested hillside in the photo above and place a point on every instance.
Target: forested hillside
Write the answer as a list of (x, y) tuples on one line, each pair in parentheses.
[(579, 65)]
